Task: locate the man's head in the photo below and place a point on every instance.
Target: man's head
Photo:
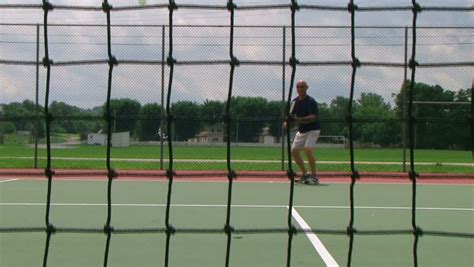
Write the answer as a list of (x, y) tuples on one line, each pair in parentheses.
[(301, 87)]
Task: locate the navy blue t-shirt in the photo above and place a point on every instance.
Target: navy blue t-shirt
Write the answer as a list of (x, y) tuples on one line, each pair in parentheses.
[(304, 108)]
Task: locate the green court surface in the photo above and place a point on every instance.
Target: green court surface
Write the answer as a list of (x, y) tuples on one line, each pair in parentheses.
[(201, 205)]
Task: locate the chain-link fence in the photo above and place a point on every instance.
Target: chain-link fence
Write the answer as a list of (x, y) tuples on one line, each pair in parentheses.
[(78, 95), (108, 97)]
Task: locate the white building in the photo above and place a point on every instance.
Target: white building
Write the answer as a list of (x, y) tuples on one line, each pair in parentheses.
[(215, 134), (118, 139), (265, 137)]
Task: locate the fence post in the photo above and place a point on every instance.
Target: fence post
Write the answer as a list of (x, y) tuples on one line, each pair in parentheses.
[(35, 128), (162, 113), (472, 118), (283, 104), (404, 108)]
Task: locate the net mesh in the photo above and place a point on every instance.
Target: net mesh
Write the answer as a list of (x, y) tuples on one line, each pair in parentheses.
[(233, 62)]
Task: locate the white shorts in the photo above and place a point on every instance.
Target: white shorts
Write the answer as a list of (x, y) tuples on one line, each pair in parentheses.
[(307, 139)]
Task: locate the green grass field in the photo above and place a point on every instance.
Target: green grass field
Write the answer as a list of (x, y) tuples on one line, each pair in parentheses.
[(244, 158)]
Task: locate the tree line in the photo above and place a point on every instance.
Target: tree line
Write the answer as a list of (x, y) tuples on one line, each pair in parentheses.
[(377, 122)]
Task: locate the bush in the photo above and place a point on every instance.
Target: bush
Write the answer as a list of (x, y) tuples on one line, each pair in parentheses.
[(7, 127)]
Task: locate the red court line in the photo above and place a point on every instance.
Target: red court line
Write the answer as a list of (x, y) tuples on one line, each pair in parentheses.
[(242, 176)]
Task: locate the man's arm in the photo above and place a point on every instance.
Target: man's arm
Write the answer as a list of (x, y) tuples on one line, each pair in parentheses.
[(312, 117), (306, 119)]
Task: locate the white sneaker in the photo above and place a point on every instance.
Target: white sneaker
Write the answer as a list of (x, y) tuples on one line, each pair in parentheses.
[(311, 180), (305, 177)]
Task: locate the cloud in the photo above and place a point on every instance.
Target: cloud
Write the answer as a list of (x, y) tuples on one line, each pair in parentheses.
[(9, 89), (86, 86), (17, 83)]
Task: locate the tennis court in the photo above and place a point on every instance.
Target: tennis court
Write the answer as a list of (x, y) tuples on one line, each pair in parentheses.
[(93, 91), (259, 215)]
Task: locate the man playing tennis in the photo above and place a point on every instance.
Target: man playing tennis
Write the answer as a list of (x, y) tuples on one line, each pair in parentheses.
[(304, 111)]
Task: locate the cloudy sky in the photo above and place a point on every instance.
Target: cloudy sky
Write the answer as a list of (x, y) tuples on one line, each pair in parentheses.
[(324, 37)]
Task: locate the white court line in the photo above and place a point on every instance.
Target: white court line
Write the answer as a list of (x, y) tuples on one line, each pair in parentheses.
[(139, 205), (313, 238), (233, 206), (387, 208), (8, 180)]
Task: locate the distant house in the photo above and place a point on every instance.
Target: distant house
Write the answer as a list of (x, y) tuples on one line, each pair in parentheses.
[(118, 139), (96, 139), (265, 137), (214, 134)]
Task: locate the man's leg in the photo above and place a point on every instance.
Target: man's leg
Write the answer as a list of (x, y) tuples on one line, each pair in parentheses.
[(308, 149), (298, 160), (311, 160)]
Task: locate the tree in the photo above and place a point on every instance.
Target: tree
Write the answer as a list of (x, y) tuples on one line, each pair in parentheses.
[(125, 114), (333, 117), (186, 120), (150, 120), (248, 115), (211, 112), (274, 112), (64, 117), (437, 125), (376, 121), (7, 127), (23, 116), (20, 115), (459, 115)]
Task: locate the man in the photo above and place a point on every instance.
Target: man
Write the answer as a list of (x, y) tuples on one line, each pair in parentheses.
[(305, 113)]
